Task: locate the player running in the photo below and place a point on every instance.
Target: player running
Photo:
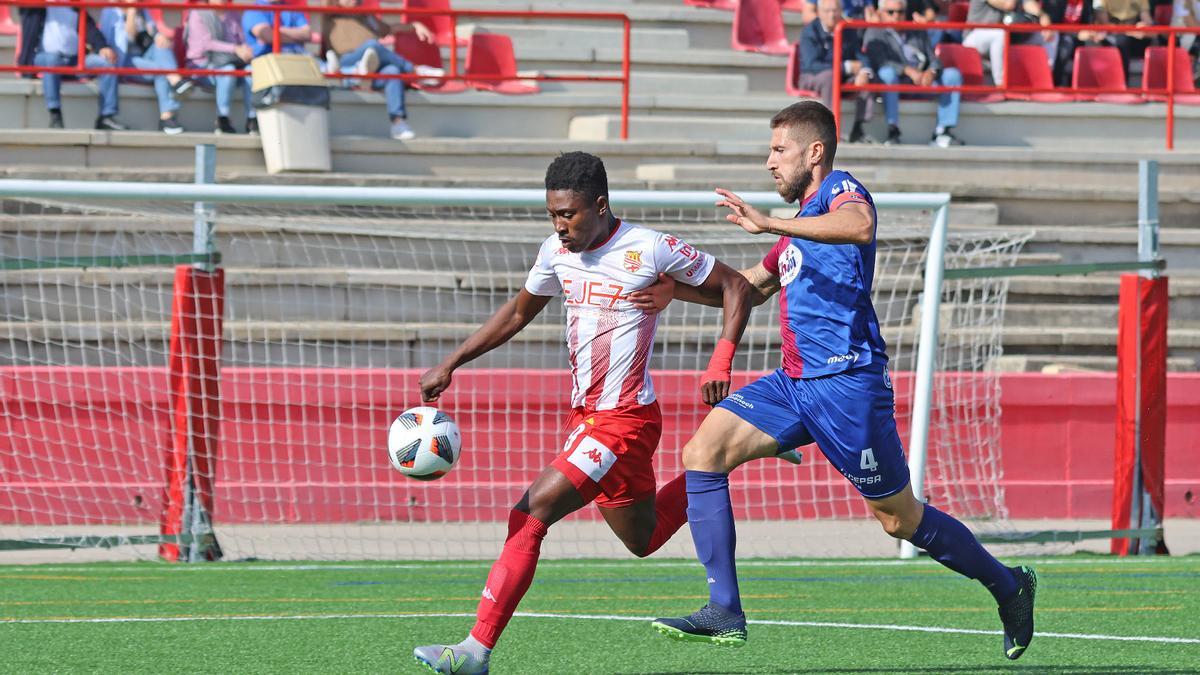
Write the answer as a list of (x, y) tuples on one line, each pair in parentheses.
[(833, 387), (594, 260)]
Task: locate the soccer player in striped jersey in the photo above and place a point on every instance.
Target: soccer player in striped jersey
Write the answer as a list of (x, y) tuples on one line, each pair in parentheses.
[(594, 260), (833, 387)]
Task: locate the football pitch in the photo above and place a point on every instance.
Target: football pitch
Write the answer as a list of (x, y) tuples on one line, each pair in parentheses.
[(1095, 614)]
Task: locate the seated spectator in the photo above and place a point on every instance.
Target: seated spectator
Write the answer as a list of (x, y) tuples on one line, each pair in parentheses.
[(989, 42), (215, 41), (909, 58), (351, 43), (1125, 13), (816, 61), (294, 31), (1186, 13), (1069, 12), (50, 37), (851, 9), (138, 43)]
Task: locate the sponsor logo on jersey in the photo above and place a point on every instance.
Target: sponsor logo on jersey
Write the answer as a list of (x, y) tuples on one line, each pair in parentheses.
[(887, 379), (562, 250), (842, 358), (633, 260), (790, 261), (487, 593), (696, 267), (592, 457)]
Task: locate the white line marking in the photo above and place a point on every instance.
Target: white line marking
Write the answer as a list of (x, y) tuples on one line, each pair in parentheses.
[(152, 566), (605, 617)]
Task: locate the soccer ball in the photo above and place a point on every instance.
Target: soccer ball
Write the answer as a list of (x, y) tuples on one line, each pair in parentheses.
[(424, 443)]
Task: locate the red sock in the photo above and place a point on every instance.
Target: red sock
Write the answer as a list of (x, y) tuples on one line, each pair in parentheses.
[(510, 577), (670, 509)]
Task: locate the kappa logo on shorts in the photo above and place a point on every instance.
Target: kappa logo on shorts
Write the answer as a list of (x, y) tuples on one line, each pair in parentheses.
[(592, 458)]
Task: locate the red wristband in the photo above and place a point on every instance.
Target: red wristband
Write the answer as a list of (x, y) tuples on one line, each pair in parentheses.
[(721, 362)]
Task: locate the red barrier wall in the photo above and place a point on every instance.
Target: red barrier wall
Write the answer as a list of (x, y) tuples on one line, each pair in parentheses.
[(306, 445)]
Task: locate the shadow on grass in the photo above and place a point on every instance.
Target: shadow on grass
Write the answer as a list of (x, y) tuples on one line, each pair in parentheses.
[(972, 669)]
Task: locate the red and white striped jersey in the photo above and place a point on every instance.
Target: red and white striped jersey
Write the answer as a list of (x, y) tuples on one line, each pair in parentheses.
[(609, 340)]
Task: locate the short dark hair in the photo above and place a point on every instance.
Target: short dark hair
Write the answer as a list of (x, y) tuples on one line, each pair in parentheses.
[(811, 120), (579, 172)]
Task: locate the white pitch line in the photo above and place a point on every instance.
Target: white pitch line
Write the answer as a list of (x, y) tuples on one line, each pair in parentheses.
[(602, 564), (604, 617)]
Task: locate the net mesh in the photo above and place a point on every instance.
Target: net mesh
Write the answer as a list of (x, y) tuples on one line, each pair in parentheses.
[(332, 311)]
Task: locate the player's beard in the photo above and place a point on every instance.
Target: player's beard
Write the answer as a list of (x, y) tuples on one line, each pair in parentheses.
[(793, 190)]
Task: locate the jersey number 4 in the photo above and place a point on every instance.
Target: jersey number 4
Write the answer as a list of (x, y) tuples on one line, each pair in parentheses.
[(867, 461)]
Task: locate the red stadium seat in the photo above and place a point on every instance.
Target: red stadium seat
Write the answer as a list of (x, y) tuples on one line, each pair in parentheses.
[(9, 24), (1027, 66), (970, 64), (958, 12), (758, 27), (1154, 76), (421, 53), (794, 5), (1100, 68), (727, 5), (442, 26), (491, 55), (792, 83), (1163, 14)]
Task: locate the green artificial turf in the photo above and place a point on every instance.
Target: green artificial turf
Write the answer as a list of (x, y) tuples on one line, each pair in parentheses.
[(367, 617)]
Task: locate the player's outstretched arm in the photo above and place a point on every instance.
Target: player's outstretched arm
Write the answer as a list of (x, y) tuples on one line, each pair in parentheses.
[(500, 328), (851, 223), (737, 300), (654, 298)]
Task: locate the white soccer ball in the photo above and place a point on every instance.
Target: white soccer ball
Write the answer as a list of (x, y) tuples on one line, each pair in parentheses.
[(424, 443)]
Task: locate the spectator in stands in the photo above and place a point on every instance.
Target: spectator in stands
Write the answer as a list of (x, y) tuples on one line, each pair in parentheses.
[(294, 31), (989, 42), (351, 43), (909, 58), (215, 41), (816, 60), (851, 9), (1187, 13), (133, 35), (1125, 13), (50, 37), (1069, 12)]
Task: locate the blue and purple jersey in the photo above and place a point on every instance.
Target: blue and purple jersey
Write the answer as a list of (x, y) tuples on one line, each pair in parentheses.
[(826, 318)]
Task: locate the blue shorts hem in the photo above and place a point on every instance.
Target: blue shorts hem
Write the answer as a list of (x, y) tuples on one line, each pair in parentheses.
[(744, 415)]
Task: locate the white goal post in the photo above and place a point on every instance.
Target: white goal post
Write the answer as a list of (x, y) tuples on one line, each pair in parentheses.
[(479, 239)]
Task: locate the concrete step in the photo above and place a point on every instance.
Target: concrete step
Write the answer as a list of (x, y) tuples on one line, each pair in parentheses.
[(561, 36), (1032, 363), (371, 344)]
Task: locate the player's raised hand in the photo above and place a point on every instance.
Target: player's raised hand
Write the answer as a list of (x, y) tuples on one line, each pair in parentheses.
[(655, 297), (434, 382), (742, 214)]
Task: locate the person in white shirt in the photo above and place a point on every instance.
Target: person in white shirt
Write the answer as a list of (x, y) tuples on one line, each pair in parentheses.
[(594, 261)]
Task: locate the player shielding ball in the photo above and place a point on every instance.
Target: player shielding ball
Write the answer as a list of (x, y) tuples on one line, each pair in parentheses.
[(594, 260), (833, 387)]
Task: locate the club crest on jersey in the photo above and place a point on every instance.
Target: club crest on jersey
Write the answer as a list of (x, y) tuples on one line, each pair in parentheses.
[(789, 264), (633, 260)]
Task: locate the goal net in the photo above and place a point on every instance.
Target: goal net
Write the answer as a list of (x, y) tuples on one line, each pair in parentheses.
[(334, 301)]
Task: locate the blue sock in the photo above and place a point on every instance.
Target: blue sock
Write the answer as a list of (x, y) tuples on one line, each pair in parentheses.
[(952, 544), (710, 515)]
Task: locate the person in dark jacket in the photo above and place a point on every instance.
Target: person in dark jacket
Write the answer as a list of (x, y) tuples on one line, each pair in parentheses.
[(909, 58), (50, 37), (1079, 12), (816, 63)]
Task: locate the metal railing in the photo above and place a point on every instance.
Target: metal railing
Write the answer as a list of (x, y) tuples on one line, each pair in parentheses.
[(1003, 87), (452, 74)]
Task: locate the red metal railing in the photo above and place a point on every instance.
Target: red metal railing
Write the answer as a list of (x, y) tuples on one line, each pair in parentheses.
[(80, 68), (1003, 87)]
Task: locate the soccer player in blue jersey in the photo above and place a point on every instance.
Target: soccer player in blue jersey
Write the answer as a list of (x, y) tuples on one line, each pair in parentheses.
[(833, 387)]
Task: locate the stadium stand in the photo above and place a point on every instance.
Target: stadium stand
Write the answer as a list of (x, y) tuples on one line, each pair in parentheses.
[(1100, 68), (442, 26), (1154, 76), (758, 27), (1027, 67), (491, 55), (970, 65)]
